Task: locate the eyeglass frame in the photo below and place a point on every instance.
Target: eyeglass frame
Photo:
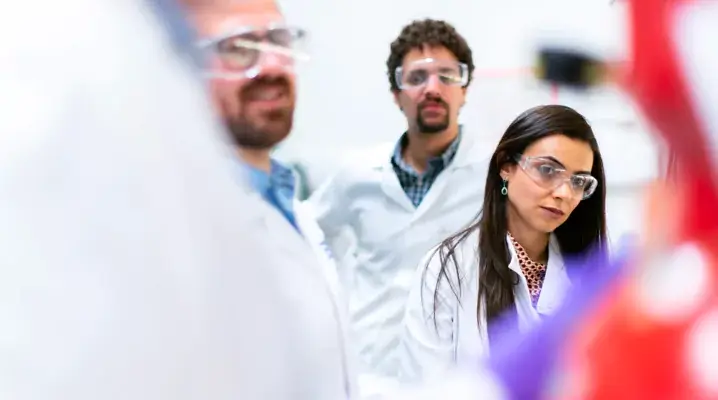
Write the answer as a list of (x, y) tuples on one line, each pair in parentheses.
[(252, 69), (523, 160), (463, 68)]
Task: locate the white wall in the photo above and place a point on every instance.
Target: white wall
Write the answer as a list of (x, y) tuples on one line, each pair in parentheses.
[(345, 105)]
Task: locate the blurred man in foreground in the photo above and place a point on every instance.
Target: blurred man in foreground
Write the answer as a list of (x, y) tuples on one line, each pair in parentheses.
[(251, 53)]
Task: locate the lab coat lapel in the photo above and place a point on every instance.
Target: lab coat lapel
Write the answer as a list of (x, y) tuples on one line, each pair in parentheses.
[(556, 282), (298, 253), (392, 187), (527, 314), (314, 237), (276, 228), (302, 246), (259, 219), (514, 262), (440, 185)]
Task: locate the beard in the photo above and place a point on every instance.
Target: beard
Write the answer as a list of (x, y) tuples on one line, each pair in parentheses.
[(434, 126), (266, 128), (263, 132)]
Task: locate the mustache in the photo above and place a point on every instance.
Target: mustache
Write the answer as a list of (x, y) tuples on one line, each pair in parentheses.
[(262, 82), (433, 102)]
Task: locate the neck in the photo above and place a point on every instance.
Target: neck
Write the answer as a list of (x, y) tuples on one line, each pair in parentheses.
[(257, 158), (422, 147), (534, 242)]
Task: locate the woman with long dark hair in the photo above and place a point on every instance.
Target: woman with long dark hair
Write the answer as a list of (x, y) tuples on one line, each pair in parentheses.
[(544, 201)]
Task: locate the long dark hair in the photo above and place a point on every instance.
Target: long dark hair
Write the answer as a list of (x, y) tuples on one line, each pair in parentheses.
[(585, 228)]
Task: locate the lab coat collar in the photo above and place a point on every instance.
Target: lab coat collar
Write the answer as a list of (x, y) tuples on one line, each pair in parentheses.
[(440, 162), (554, 255), (463, 157), (556, 280)]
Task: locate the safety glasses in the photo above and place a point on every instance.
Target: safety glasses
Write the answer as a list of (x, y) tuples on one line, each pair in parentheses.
[(239, 54), (550, 175), (417, 73)]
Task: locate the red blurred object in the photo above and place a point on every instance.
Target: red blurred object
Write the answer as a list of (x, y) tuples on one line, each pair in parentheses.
[(659, 86), (622, 351)]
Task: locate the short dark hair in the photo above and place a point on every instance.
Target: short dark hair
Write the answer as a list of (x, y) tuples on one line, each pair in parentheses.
[(428, 32)]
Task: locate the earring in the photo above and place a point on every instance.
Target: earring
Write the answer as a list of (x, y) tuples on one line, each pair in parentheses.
[(504, 190)]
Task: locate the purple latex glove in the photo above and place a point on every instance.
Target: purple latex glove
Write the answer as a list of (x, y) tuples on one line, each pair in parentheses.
[(524, 362)]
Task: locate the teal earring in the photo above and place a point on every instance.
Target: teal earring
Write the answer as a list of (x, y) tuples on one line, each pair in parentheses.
[(504, 189)]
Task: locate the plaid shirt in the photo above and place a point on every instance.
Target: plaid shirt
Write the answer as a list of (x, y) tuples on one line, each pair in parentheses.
[(416, 185)]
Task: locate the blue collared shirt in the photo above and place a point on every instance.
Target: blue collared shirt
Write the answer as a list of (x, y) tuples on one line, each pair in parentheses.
[(417, 185), (278, 188)]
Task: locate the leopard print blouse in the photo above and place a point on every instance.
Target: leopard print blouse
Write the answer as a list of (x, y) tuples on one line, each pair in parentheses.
[(533, 271)]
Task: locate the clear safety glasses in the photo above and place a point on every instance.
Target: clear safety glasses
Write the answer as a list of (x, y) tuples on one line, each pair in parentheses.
[(240, 54), (550, 175), (417, 73)]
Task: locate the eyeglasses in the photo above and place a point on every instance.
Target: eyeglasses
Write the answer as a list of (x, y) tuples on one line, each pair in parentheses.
[(550, 175), (236, 55), (417, 73)]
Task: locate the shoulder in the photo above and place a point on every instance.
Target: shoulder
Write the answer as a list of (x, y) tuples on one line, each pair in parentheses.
[(473, 157), (360, 167), (476, 148), (368, 160)]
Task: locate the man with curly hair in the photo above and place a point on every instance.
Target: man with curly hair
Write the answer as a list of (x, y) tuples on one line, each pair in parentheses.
[(401, 205)]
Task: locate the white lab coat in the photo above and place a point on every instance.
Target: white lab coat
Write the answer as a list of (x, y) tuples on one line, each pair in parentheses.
[(314, 237), (132, 264), (392, 235), (316, 308), (428, 351)]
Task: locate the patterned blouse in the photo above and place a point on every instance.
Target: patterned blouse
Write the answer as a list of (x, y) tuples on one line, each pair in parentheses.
[(533, 271)]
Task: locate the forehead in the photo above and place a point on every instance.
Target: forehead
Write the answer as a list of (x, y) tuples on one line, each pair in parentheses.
[(222, 17), (575, 155), (439, 53)]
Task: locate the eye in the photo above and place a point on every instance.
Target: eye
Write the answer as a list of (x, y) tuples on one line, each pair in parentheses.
[(234, 55), (450, 79), (416, 77), (579, 181), (546, 170), (281, 37)]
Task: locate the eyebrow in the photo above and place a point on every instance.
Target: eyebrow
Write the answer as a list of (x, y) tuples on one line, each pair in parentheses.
[(554, 159)]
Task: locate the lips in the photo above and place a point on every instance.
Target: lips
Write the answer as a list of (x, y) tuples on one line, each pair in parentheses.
[(554, 211), (432, 107), (268, 93)]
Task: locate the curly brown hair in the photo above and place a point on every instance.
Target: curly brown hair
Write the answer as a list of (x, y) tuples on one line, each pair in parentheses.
[(427, 32)]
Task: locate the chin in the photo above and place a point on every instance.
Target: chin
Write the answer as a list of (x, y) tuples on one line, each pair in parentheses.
[(544, 227), (433, 129), (274, 137), (277, 128)]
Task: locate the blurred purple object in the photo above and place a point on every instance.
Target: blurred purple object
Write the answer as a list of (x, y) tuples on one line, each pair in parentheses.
[(525, 362)]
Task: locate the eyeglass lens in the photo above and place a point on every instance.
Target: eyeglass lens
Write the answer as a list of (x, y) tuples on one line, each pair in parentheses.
[(552, 176), (235, 54)]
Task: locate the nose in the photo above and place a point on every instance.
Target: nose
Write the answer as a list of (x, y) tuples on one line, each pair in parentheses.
[(272, 63), (433, 84), (563, 191)]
